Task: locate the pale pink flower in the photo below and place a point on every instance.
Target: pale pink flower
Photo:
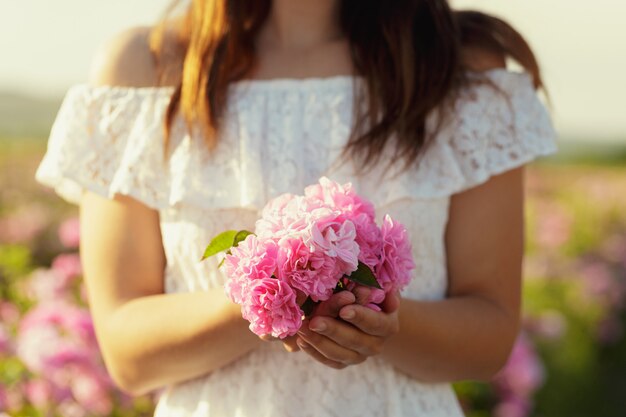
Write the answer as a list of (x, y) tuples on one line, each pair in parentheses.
[(92, 391), (52, 333), (336, 239), (252, 259), (394, 269), (40, 393), (69, 233), (270, 307), (68, 266), (24, 225), (290, 220), (47, 285), (523, 373), (343, 197)]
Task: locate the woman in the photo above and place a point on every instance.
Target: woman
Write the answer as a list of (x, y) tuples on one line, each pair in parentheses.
[(407, 100)]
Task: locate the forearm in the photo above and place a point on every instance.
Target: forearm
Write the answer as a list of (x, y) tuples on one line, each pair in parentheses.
[(162, 339), (452, 339)]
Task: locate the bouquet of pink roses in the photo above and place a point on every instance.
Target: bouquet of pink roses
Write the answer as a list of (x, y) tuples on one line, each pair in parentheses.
[(304, 249)]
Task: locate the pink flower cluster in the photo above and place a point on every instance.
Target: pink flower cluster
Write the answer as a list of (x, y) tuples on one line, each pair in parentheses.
[(303, 246)]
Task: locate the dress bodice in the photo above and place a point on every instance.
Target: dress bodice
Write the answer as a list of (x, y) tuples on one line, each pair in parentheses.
[(278, 136)]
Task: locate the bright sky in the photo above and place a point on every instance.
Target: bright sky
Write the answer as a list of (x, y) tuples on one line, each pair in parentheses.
[(46, 46)]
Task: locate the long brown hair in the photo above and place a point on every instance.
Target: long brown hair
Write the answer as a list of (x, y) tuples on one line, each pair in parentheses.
[(407, 51)]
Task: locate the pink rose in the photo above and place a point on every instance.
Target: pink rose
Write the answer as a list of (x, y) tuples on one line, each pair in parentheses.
[(369, 239), (290, 220), (270, 307), (252, 259), (393, 272), (336, 239), (342, 197)]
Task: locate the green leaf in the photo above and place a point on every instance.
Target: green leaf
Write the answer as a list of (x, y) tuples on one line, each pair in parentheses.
[(364, 276), (220, 243), (241, 236)]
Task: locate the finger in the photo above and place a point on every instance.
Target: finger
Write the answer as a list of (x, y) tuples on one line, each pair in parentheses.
[(290, 344), (347, 336), (391, 302), (362, 294), (310, 350), (335, 303), (267, 338), (329, 348), (369, 321)]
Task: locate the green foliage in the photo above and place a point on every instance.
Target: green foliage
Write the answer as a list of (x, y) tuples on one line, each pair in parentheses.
[(225, 241), (364, 276)]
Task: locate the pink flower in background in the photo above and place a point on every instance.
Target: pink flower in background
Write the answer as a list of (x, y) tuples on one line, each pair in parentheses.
[(6, 342), (92, 391), (69, 233), (270, 307), (41, 393), (394, 269), (554, 226), (513, 407), (520, 378), (24, 225), (4, 401), (64, 329), (600, 283), (252, 259), (47, 285), (550, 325), (9, 313), (68, 266)]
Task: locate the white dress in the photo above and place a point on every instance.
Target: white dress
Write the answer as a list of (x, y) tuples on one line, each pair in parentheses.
[(279, 136)]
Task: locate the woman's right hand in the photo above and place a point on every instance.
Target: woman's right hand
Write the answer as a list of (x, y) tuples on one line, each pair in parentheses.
[(330, 308)]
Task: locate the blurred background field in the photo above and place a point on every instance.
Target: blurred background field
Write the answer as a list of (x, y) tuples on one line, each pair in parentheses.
[(570, 359)]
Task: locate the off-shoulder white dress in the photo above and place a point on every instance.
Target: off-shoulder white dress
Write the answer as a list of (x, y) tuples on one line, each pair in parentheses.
[(279, 136)]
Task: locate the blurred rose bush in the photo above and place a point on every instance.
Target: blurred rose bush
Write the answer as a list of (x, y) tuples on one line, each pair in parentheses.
[(566, 361)]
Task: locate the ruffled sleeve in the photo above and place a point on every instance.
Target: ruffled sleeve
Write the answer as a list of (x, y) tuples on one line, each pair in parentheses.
[(498, 123), (109, 140)]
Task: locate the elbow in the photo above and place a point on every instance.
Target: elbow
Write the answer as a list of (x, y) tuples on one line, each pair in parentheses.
[(127, 379), (126, 366), (491, 367), (496, 359)]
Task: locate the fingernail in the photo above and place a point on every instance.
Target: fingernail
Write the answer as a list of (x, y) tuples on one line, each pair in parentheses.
[(348, 314), (318, 326)]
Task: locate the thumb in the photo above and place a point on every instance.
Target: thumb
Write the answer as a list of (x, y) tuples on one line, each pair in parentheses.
[(391, 302)]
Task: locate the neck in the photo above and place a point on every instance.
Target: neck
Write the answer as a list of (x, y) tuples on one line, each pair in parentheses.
[(302, 23)]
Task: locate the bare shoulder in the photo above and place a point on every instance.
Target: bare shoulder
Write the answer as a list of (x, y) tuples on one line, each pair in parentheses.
[(125, 60), (128, 59), (476, 58)]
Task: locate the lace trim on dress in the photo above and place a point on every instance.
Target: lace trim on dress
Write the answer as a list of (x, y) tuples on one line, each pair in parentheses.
[(109, 140)]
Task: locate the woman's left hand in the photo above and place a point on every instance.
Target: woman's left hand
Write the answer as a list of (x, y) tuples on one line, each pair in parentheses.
[(357, 334)]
